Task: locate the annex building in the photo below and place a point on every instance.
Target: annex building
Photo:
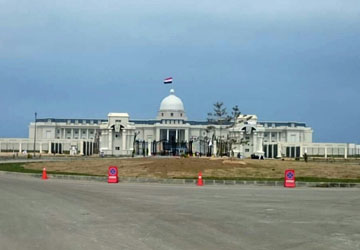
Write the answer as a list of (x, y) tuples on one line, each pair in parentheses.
[(172, 133)]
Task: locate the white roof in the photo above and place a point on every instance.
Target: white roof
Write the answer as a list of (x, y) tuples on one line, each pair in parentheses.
[(119, 114), (172, 102)]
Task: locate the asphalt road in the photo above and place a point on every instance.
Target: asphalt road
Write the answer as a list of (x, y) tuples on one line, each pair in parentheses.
[(64, 214)]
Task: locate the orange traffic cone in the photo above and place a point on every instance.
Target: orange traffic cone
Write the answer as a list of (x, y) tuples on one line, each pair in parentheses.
[(44, 175), (200, 181)]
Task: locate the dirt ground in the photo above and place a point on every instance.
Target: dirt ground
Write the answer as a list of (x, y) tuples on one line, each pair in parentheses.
[(210, 167)]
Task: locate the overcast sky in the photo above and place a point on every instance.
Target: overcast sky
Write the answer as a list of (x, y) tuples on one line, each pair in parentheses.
[(281, 60)]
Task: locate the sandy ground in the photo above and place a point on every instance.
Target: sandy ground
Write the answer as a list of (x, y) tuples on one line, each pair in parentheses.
[(210, 167)]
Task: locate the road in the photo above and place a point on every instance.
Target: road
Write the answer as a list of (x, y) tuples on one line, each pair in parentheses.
[(65, 214)]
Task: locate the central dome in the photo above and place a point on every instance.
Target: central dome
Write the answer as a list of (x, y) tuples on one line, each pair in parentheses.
[(172, 102)]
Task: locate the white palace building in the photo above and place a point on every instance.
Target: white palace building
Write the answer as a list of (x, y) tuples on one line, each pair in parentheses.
[(172, 133)]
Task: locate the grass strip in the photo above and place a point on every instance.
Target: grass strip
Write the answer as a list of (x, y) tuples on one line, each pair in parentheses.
[(300, 179), (19, 168)]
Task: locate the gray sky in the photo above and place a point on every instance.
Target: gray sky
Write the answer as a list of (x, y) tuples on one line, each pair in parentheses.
[(282, 60)]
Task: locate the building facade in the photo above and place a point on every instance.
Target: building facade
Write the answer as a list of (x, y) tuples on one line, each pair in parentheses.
[(172, 133)]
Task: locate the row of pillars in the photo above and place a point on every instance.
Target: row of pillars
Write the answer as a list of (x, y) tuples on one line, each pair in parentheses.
[(271, 148), (85, 148)]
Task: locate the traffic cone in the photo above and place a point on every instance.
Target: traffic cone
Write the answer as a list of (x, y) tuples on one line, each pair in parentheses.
[(200, 181), (44, 175)]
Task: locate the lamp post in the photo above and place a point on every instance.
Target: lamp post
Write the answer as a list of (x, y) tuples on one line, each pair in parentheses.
[(35, 134)]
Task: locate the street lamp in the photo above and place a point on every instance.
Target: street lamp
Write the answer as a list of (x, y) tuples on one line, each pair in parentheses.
[(35, 134)]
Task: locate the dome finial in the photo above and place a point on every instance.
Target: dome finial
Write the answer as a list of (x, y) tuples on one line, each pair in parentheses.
[(172, 91)]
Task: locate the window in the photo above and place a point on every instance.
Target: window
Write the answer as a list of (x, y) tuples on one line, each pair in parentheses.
[(180, 114), (119, 121), (162, 114), (247, 138), (163, 134), (117, 148), (116, 136), (247, 150), (172, 114)]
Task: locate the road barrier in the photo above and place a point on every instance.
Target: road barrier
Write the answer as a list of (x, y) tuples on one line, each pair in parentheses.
[(113, 175), (44, 175), (289, 178), (200, 180)]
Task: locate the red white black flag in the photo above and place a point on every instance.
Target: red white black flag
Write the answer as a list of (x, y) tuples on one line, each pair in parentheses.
[(168, 80)]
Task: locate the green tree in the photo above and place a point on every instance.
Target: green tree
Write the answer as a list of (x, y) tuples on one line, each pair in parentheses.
[(235, 113), (219, 114)]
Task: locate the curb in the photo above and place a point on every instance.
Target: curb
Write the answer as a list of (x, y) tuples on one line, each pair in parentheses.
[(189, 181)]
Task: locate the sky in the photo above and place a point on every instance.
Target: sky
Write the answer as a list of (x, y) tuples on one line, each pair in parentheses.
[(289, 60)]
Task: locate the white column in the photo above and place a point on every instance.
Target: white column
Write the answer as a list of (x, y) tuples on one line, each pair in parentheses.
[(254, 142), (167, 135), (72, 133), (40, 150), (176, 135), (92, 148), (149, 147), (345, 152), (87, 133), (187, 135), (79, 135), (20, 149), (49, 151), (110, 140), (241, 147), (260, 144), (270, 137), (279, 151), (325, 150), (124, 140), (157, 135), (64, 133), (82, 148), (214, 148)]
